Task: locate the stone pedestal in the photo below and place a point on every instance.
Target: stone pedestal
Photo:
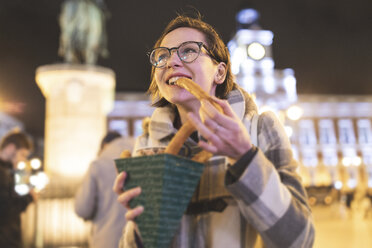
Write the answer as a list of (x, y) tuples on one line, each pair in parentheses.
[(78, 99)]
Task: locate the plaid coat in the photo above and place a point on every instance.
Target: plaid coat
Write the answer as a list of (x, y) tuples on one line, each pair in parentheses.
[(265, 207)]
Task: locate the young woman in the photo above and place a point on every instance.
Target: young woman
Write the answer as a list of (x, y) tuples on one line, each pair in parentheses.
[(247, 194)]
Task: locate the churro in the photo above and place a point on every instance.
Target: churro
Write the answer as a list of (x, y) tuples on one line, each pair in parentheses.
[(197, 91), (125, 154), (202, 156), (177, 141), (187, 128)]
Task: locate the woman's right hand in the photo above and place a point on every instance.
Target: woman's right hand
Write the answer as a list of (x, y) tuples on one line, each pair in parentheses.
[(126, 196)]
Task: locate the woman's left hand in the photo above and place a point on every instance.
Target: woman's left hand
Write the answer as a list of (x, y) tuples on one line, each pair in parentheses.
[(225, 132)]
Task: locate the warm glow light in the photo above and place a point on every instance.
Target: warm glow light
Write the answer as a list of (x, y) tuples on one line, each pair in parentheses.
[(248, 83), (269, 84), (295, 113), (256, 51), (21, 165), (312, 200), (60, 221), (35, 163), (33, 180), (17, 178), (79, 97), (39, 181), (288, 130), (369, 183), (338, 185), (22, 189), (351, 183), (330, 160), (357, 161), (237, 58), (75, 90), (310, 161), (346, 161), (267, 64), (328, 200)]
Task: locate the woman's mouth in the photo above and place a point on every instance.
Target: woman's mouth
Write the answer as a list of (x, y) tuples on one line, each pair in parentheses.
[(172, 80)]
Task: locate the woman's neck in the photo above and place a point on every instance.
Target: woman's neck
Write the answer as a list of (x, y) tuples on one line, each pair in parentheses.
[(182, 112)]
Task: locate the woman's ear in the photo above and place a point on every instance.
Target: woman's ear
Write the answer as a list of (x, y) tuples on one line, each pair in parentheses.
[(221, 73)]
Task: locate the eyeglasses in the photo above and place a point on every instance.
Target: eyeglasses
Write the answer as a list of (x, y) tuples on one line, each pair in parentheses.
[(187, 52)]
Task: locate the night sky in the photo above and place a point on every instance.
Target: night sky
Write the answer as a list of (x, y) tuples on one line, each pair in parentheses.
[(327, 43)]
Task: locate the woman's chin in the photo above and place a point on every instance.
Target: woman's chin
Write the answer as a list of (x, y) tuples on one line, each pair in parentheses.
[(190, 104), (178, 97)]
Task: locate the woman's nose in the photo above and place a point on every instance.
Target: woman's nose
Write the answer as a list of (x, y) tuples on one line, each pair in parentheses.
[(173, 59)]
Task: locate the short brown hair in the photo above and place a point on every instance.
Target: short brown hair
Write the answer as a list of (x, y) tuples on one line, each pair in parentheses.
[(19, 139), (216, 48)]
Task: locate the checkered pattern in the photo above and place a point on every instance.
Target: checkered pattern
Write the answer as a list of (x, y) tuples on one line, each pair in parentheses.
[(267, 206)]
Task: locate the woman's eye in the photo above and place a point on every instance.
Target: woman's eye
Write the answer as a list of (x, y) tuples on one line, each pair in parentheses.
[(189, 50), (161, 56)]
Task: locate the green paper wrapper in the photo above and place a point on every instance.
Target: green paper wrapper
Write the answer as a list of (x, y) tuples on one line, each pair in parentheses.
[(168, 183)]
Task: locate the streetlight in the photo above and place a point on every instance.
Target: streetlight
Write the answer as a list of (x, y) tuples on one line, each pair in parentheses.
[(35, 163), (256, 51), (295, 112), (29, 175)]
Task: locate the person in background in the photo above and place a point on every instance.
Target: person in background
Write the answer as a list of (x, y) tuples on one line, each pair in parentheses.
[(248, 193), (14, 148), (95, 200)]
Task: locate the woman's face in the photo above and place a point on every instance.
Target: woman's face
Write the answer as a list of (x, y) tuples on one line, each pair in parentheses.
[(203, 71)]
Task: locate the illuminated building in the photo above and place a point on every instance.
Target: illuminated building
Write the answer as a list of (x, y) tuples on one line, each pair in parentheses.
[(253, 65), (128, 113), (333, 140)]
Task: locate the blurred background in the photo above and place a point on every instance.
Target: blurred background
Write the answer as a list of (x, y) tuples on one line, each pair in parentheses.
[(308, 61)]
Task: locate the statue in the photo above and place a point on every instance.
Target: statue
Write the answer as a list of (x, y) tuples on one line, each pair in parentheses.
[(83, 33)]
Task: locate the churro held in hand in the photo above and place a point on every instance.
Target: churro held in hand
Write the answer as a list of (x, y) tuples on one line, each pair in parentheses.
[(187, 129), (197, 91)]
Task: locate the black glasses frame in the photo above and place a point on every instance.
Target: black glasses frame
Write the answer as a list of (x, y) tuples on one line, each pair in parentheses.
[(199, 43)]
